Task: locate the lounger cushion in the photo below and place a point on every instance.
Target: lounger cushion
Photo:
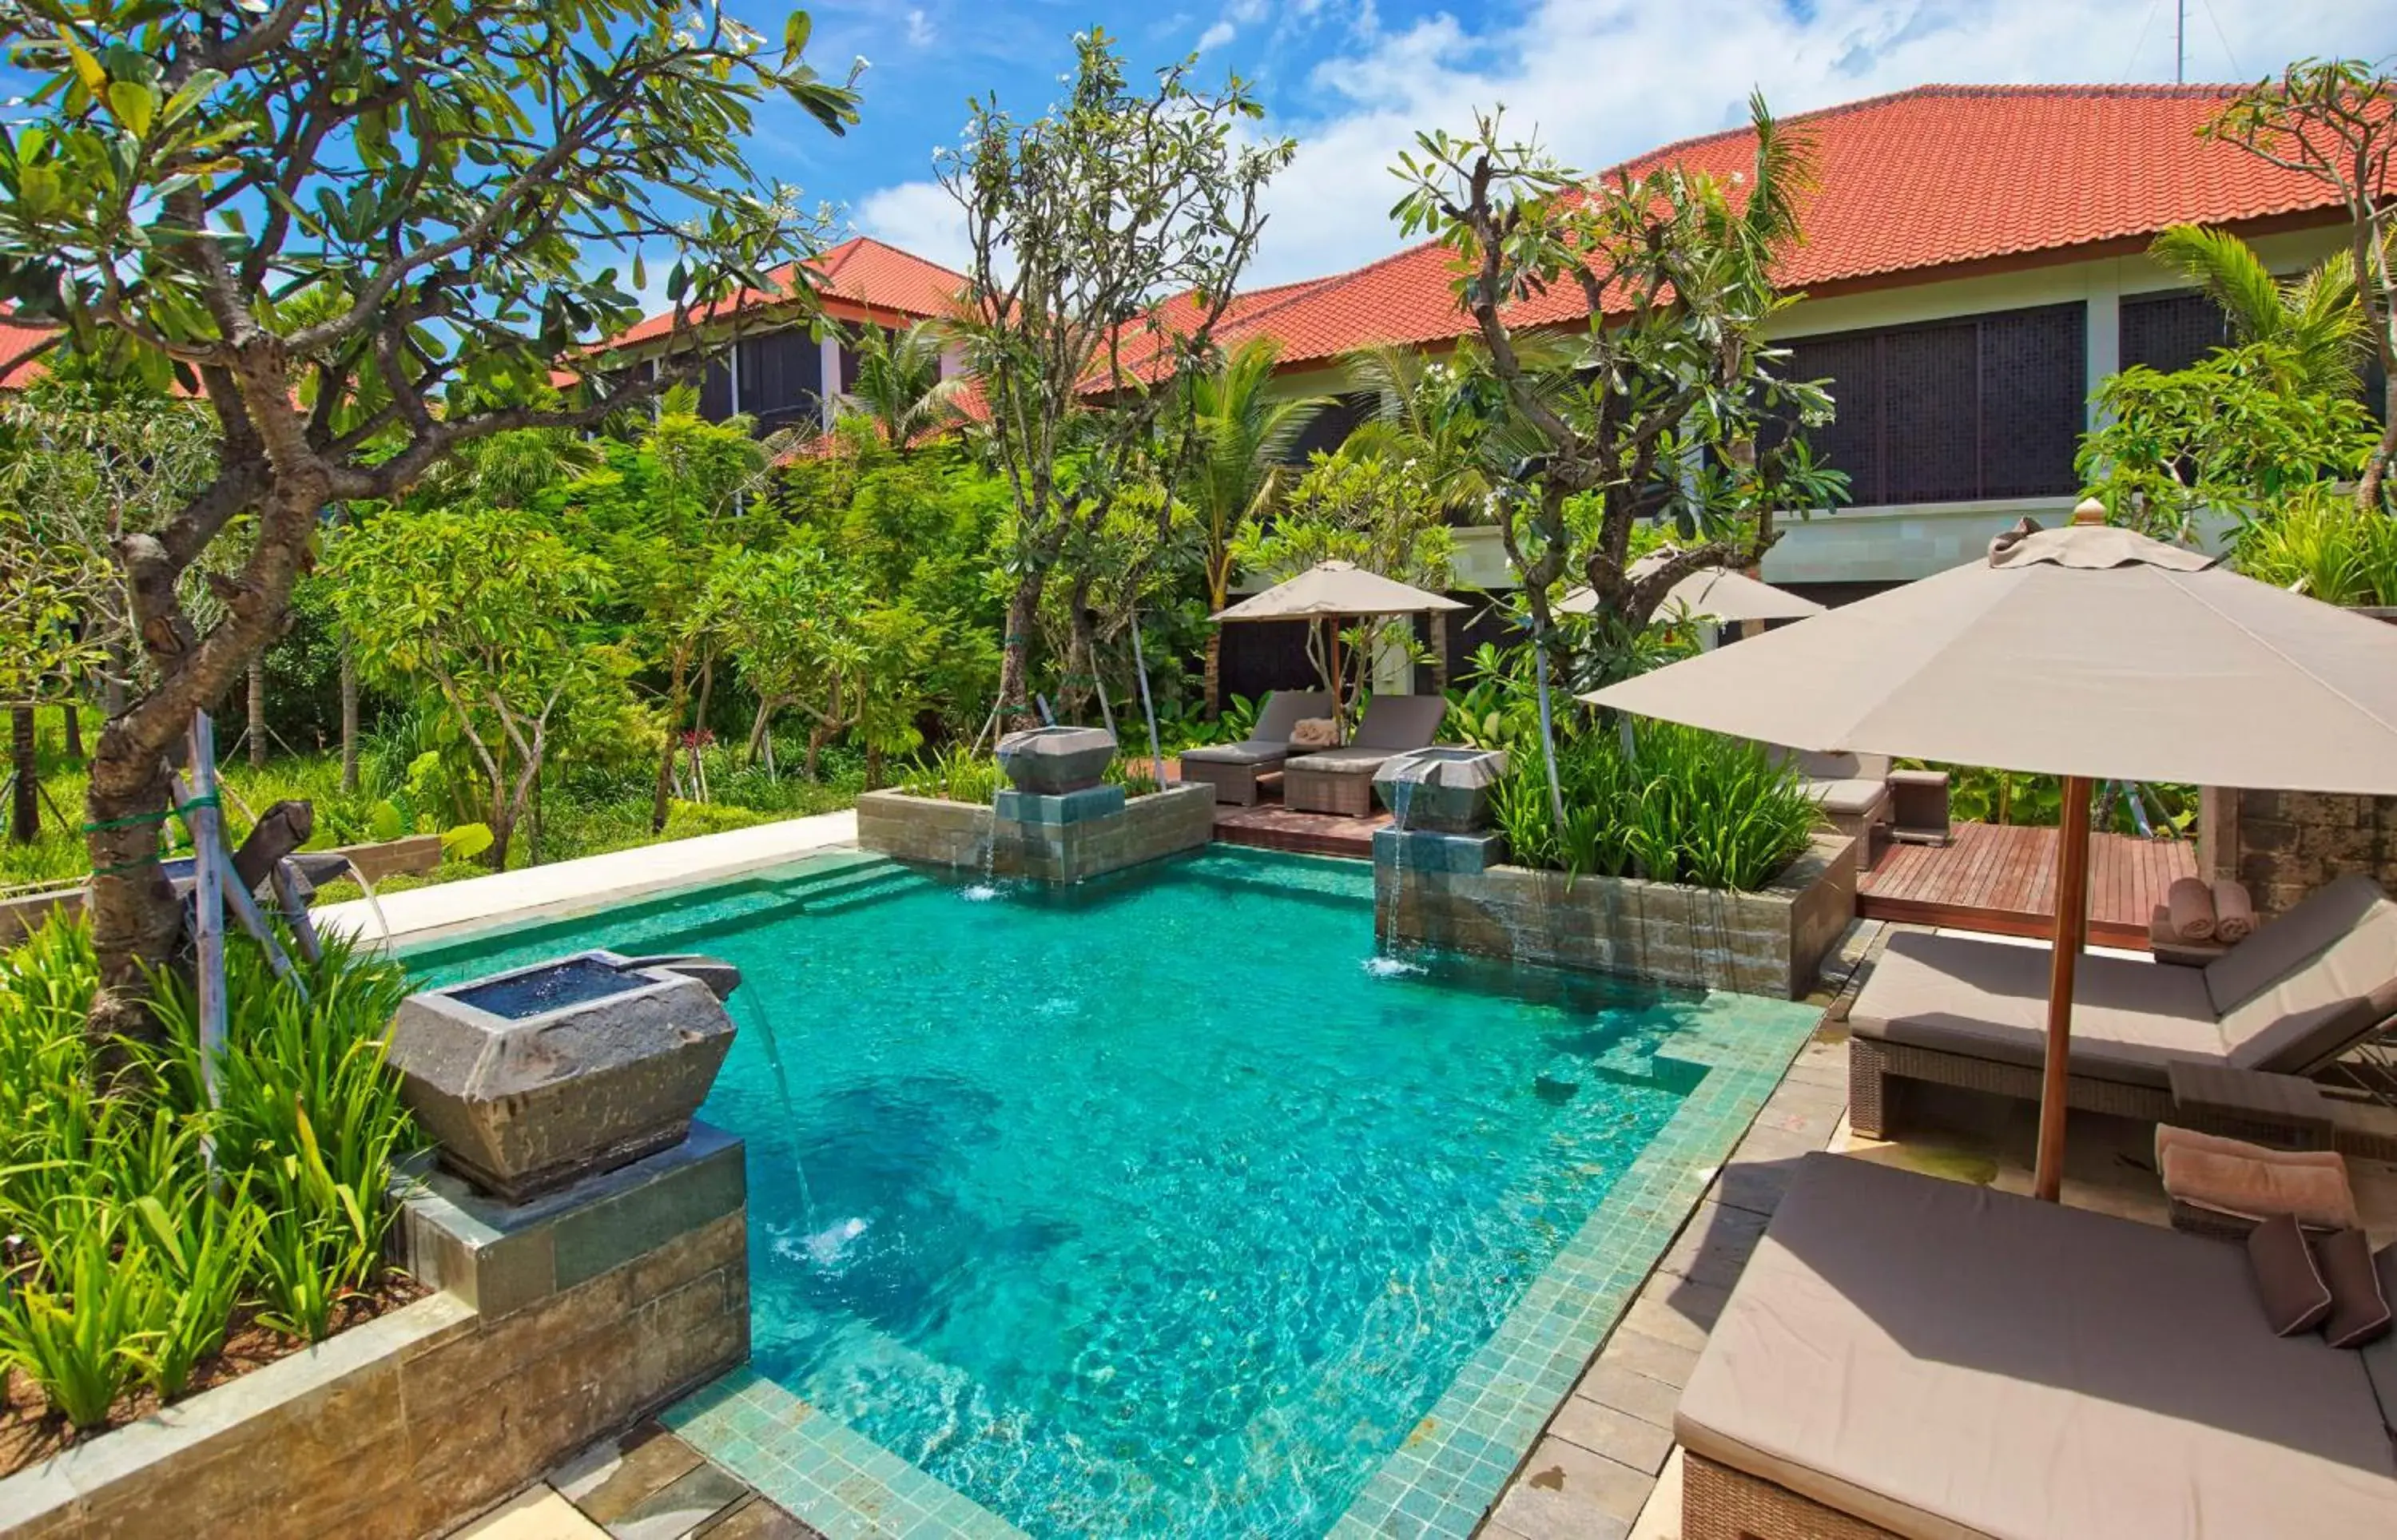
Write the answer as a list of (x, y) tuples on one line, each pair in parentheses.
[(1284, 710), (1988, 1000), (2305, 986), (1946, 1361), (1253, 752), (1848, 798), (1355, 760), (1399, 722)]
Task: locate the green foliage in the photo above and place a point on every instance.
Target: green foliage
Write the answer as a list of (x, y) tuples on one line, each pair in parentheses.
[(1976, 794), (136, 1254), (956, 775), (2320, 543), (2314, 319), (2237, 432), (686, 819), (1682, 806), (899, 387)]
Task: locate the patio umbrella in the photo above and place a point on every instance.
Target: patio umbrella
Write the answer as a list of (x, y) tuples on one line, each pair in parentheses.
[(1715, 593), (1328, 590), (2088, 652)]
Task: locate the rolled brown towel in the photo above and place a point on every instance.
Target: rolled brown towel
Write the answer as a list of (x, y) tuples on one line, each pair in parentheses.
[(2191, 903), (2234, 915)]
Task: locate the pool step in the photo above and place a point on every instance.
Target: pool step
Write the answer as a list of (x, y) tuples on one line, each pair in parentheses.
[(858, 889)]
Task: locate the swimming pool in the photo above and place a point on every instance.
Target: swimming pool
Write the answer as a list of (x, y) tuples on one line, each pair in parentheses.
[(1162, 1206)]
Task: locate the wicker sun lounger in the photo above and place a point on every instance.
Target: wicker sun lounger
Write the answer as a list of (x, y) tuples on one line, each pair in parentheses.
[(1904, 1356), (2288, 1000), (1232, 768), (1341, 780)]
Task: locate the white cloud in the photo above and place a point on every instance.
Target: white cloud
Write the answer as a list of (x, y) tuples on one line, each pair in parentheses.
[(918, 216), (1217, 35), (1603, 80), (921, 29), (1239, 14)]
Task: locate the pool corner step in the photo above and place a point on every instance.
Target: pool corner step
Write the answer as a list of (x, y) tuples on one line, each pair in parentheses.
[(855, 889)]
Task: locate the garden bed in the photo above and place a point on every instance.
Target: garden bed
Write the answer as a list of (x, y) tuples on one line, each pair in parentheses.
[(1768, 942), (30, 1433)]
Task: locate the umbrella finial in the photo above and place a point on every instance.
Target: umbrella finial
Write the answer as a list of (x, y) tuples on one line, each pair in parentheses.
[(2089, 511)]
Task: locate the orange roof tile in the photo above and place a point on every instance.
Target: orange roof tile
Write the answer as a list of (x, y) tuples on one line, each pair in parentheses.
[(17, 338), (862, 279), (1926, 178)]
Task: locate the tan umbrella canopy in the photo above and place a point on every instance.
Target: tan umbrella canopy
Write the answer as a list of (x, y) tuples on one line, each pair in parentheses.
[(1328, 590), (1715, 593), (2089, 653)]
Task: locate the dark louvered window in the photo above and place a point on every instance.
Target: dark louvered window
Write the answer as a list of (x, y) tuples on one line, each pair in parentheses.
[(1951, 411), (2169, 332), (781, 376), (715, 392)]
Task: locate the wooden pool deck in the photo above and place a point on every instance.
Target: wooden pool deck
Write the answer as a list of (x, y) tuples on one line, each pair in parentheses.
[(2002, 879), (1270, 826)]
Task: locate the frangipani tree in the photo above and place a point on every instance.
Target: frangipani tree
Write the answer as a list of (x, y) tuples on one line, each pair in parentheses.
[(1666, 402), (366, 233)]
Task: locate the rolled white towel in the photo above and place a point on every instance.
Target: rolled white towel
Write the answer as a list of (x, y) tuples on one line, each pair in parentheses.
[(2234, 913), (2191, 903)]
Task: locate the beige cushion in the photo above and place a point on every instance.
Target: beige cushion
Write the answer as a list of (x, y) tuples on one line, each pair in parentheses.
[(1945, 1361), (1849, 798), (2281, 947), (1355, 760), (1988, 999)]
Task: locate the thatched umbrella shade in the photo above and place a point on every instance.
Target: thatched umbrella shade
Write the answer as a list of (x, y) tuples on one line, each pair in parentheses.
[(2089, 653), (1332, 591)]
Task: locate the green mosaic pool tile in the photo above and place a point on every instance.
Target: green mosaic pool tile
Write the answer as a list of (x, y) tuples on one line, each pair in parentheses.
[(832, 1478), (1448, 1476)]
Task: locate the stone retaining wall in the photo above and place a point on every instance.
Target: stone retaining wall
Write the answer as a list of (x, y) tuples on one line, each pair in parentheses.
[(2281, 845), (620, 1295), (1770, 942), (928, 830), (936, 832)]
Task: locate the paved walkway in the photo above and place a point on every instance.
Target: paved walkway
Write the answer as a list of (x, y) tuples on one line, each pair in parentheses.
[(647, 1485), (564, 889)]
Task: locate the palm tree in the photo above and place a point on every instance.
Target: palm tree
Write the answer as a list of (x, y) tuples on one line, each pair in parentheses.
[(1243, 437), (2316, 316), (1416, 419), (900, 384)]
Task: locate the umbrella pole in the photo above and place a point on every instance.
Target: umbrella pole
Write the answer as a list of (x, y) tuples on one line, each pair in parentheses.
[(2071, 931)]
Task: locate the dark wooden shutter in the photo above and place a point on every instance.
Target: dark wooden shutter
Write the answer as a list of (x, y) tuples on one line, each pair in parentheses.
[(781, 375), (2169, 332), (1850, 365), (2033, 403), (1330, 427), (1930, 406), (715, 392)]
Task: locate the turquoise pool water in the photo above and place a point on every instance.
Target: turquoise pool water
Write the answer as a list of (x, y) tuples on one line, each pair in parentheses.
[(1157, 1206)]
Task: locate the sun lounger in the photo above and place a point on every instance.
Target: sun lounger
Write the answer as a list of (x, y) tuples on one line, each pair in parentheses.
[(2288, 1000), (1232, 768), (1852, 791), (1904, 1356), (1341, 780)]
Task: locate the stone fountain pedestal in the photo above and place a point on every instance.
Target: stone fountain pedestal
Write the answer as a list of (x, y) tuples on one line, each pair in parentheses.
[(1439, 810)]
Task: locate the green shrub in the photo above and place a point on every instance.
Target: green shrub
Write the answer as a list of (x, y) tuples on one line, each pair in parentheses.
[(687, 819), (1682, 806), (137, 1251), (956, 775)]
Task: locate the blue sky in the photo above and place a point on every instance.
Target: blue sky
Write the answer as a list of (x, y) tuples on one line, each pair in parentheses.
[(1602, 79)]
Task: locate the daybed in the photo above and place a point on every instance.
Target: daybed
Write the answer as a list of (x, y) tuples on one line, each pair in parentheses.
[(1910, 1357), (1960, 1011)]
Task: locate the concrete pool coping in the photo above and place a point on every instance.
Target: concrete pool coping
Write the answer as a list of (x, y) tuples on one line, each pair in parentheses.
[(565, 890), (1448, 1474)]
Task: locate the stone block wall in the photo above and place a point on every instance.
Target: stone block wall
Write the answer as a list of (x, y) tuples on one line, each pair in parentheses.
[(935, 832), (928, 830), (592, 1314), (2281, 845), (1769, 942)]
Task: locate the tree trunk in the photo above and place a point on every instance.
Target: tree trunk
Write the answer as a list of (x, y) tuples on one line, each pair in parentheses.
[(134, 919), (257, 730), (1214, 690), (1016, 659), (874, 767), (2376, 468), (663, 791), (817, 736), (349, 713), (26, 809), (71, 720), (699, 727)]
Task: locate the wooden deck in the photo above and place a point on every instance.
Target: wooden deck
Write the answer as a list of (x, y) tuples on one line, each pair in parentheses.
[(1270, 826), (2002, 880)]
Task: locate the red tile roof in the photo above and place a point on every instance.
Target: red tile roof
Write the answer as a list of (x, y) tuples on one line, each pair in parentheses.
[(17, 338), (862, 279), (1927, 178)]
